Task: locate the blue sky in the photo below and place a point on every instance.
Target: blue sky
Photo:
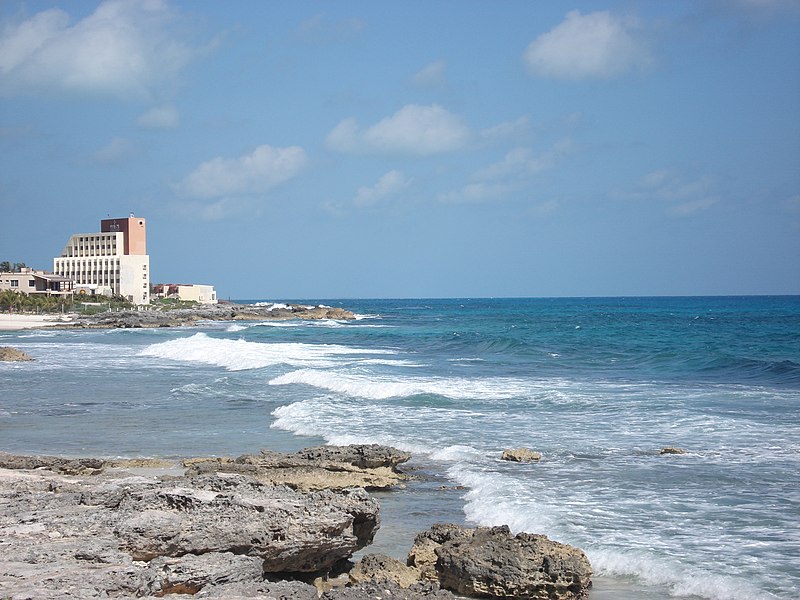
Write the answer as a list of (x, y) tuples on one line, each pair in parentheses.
[(412, 149)]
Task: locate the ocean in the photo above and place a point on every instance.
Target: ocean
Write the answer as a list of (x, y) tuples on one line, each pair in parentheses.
[(597, 385)]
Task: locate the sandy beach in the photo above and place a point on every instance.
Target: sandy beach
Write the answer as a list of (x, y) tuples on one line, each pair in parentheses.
[(15, 322)]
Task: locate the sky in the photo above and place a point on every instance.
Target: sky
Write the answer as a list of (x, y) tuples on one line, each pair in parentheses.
[(457, 148)]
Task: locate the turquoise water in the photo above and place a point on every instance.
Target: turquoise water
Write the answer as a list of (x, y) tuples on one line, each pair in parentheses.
[(598, 386)]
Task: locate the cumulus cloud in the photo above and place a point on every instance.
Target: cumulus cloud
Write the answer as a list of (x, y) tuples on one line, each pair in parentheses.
[(431, 75), (596, 45), (412, 130), (160, 117), (683, 194), (123, 48), (514, 172), (388, 185), (522, 162), (507, 129), (251, 174), (117, 150)]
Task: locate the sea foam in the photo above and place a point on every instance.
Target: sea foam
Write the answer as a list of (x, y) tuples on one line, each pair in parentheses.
[(238, 355)]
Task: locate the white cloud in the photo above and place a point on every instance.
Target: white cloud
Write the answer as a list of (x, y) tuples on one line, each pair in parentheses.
[(122, 48), (476, 193), (683, 194), (415, 130), (584, 46), (521, 162), (507, 129), (251, 174), (160, 117), (118, 150), (431, 75), (389, 184)]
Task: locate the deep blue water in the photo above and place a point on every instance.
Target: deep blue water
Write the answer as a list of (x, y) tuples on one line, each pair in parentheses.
[(598, 385)]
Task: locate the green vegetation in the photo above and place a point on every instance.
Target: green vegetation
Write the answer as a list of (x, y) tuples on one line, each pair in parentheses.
[(21, 302), (9, 267)]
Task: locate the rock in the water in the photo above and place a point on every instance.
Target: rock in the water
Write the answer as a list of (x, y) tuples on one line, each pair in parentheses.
[(521, 455), (380, 568), (672, 450), (490, 562), (9, 354)]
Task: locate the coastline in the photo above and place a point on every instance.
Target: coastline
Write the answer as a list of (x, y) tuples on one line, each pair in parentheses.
[(179, 317), (276, 524), (20, 321)]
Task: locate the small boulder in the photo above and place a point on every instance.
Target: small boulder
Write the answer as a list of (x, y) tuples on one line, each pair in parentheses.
[(521, 455), (9, 354), (672, 450)]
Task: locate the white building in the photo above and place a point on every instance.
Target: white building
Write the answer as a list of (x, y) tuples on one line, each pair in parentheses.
[(111, 262)]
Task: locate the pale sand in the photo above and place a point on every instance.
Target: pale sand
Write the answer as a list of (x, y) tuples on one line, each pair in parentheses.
[(14, 322)]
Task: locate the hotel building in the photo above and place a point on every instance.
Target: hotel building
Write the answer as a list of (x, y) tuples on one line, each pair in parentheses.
[(111, 262)]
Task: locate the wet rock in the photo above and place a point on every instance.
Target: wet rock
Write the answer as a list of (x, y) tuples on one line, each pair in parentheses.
[(490, 562), (672, 450), (9, 354), (521, 455), (67, 466)]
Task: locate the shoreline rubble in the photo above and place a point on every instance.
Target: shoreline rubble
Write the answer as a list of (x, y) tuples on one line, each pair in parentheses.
[(262, 525)]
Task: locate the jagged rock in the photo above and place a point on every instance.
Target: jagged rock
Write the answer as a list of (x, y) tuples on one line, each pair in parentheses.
[(267, 590), (117, 534), (372, 467), (9, 354), (672, 450), (423, 552), (490, 562), (390, 591), (380, 568), (190, 573), (287, 530), (67, 466), (521, 455)]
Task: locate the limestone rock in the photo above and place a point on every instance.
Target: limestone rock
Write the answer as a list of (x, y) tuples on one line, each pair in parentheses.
[(372, 467), (672, 450), (389, 591), (190, 573), (423, 552), (490, 562), (521, 455), (380, 568), (9, 354)]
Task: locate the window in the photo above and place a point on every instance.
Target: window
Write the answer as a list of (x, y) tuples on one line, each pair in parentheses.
[(15, 283), (144, 285), (31, 283), (144, 267), (144, 276)]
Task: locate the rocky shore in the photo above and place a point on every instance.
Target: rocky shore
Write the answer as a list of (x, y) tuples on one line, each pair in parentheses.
[(267, 525), (183, 317)]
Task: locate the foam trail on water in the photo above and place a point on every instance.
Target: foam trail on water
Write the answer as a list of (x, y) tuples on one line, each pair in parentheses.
[(383, 387), (237, 355)]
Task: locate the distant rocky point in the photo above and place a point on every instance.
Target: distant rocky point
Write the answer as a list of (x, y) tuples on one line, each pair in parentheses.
[(183, 317)]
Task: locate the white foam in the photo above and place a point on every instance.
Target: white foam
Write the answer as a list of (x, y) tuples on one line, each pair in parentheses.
[(382, 387), (679, 579), (237, 355), (236, 327)]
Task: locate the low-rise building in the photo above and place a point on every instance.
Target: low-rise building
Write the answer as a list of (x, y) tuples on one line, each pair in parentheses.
[(186, 292), (31, 281)]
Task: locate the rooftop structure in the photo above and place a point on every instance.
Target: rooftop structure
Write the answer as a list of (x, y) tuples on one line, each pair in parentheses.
[(113, 261)]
